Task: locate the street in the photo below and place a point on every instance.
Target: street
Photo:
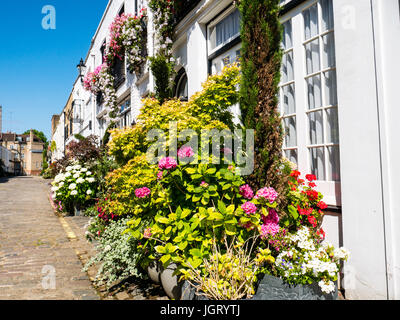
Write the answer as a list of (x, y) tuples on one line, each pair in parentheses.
[(38, 260)]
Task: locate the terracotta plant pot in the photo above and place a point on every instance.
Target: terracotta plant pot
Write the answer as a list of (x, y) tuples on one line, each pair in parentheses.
[(170, 283)]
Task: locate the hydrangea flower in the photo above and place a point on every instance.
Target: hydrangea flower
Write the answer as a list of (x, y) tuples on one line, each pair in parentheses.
[(167, 163), (269, 229), (267, 193), (185, 152), (246, 192), (272, 217), (249, 208), (142, 192)]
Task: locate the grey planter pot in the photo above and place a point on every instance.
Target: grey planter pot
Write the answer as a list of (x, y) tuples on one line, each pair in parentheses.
[(170, 283), (77, 211), (154, 272), (273, 288)]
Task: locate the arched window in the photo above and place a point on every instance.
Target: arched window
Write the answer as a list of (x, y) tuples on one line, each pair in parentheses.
[(181, 85)]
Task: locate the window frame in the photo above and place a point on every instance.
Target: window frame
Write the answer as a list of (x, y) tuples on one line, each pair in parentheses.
[(330, 189)]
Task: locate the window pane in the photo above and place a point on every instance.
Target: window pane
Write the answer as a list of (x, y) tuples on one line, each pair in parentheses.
[(290, 132), (312, 56), (327, 15), (328, 52), (334, 164), (287, 67), (227, 28), (314, 92), (330, 88), (318, 162), (287, 35), (332, 123), (291, 155), (289, 105), (311, 22), (316, 127)]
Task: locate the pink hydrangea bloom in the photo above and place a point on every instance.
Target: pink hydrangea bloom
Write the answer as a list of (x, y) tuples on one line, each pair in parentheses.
[(249, 208), (267, 193), (167, 163), (159, 175), (142, 192), (204, 184), (272, 217), (269, 229), (185, 152), (246, 192)]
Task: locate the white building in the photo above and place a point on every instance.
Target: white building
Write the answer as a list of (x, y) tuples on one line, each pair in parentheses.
[(338, 100), (6, 156)]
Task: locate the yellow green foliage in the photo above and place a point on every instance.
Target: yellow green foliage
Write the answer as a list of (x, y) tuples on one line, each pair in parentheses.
[(123, 182), (207, 109)]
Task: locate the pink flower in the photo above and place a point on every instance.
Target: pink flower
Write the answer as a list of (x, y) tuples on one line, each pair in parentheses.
[(167, 163), (160, 175), (142, 192), (272, 217), (269, 229), (267, 193), (147, 233), (246, 192), (204, 184), (249, 208), (185, 152)]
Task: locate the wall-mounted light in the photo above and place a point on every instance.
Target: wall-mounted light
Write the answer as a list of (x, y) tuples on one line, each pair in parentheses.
[(81, 69)]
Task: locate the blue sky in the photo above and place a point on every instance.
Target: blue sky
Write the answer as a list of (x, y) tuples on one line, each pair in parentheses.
[(38, 66)]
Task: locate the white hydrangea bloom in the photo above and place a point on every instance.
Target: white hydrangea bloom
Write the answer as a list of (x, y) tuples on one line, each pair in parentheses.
[(72, 186)]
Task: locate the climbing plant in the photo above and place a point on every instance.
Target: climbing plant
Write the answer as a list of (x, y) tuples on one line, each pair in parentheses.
[(261, 35)]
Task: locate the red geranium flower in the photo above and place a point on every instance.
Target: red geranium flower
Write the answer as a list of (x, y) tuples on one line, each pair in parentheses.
[(312, 185), (311, 177), (312, 220), (322, 205), (295, 174), (312, 195)]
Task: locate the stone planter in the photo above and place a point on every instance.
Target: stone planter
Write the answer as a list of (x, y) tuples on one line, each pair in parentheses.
[(77, 210), (273, 288), (154, 272), (170, 283)]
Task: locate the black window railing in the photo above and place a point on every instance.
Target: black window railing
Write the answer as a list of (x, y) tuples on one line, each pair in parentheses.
[(118, 72), (182, 9)]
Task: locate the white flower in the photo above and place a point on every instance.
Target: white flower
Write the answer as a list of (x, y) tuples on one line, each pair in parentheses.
[(68, 174), (74, 192), (69, 169), (84, 170), (76, 175), (54, 189), (89, 192), (88, 173), (327, 287), (77, 167), (72, 186), (107, 248), (80, 180), (90, 179)]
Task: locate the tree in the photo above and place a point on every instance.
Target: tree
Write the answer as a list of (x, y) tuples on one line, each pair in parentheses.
[(261, 35), (38, 134)]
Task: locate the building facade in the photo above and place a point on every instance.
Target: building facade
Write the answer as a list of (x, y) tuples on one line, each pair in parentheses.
[(338, 105), (26, 153)]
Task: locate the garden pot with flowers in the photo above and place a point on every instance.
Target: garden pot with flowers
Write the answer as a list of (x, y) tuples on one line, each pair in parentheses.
[(74, 188)]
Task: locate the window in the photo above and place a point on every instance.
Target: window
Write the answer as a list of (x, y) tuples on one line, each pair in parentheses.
[(224, 29), (103, 50), (308, 95), (224, 40), (122, 10), (181, 85)]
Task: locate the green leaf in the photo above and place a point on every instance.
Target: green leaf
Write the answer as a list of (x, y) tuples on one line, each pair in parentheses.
[(165, 259), (211, 171), (196, 253), (191, 171), (293, 212), (185, 213), (182, 246), (221, 207), (160, 249), (162, 220)]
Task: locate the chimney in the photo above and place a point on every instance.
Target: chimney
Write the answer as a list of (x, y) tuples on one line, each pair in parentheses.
[(1, 119), (31, 136)]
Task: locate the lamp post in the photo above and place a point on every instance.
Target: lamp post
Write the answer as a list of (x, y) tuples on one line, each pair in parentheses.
[(81, 69)]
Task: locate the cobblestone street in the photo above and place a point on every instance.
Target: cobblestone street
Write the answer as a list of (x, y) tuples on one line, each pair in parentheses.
[(37, 259)]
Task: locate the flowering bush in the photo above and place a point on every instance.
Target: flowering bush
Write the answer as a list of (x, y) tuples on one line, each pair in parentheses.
[(75, 186), (117, 255), (305, 260), (305, 204)]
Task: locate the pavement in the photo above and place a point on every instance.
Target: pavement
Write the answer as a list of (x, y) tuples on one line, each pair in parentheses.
[(42, 253), (38, 259)]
